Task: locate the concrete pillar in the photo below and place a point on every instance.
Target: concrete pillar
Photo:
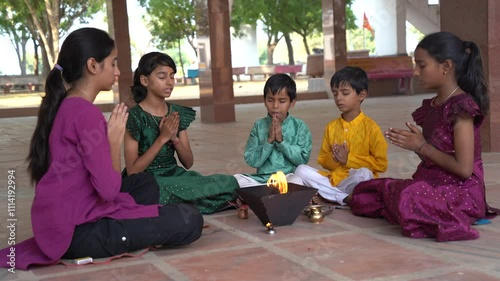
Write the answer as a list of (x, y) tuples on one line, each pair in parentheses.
[(215, 67), (122, 39), (401, 27), (335, 51), (388, 18), (479, 21)]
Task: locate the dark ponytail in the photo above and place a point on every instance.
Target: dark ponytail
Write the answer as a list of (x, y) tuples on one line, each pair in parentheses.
[(473, 80), (468, 63), (147, 64), (38, 156), (78, 47)]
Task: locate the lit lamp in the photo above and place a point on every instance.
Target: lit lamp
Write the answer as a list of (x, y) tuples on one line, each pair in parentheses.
[(277, 203)]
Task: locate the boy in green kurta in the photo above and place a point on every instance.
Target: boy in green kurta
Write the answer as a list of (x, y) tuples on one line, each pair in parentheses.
[(279, 141), (157, 130)]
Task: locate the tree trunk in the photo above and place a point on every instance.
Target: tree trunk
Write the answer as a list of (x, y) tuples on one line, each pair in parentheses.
[(191, 43), (271, 45), (49, 39), (45, 62), (36, 63), (288, 40), (182, 63), (270, 52), (306, 45), (23, 60)]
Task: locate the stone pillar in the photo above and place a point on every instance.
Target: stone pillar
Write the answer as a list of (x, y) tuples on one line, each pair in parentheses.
[(479, 21), (334, 34), (122, 39), (388, 18), (401, 27), (215, 67)]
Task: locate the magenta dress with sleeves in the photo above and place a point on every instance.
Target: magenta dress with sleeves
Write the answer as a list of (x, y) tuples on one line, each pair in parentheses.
[(80, 186), (435, 203)]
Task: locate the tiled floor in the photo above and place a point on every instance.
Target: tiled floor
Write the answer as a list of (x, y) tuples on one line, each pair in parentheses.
[(342, 247)]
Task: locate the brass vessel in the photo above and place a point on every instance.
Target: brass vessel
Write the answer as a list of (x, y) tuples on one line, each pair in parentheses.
[(315, 214)]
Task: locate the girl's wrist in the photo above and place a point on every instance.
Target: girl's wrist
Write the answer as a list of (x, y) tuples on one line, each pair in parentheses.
[(175, 141), (419, 150)]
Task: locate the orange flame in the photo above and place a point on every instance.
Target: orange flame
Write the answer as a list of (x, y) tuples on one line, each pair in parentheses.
[(278, 180)]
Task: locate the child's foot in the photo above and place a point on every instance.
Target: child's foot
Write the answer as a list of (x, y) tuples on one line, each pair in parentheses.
[(348, 199), (317, 200)]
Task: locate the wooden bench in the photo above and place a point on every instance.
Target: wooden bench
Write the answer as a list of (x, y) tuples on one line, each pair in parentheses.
[(265, 70), (237, 71), (387, 74), (290, 69), (17, 83)]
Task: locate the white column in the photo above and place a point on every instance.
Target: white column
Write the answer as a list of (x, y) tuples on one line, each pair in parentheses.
[(388, 18), (244, 50), (401, 26)]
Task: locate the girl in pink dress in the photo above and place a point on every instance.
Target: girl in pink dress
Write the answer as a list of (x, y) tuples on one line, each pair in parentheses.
[(446, 195)]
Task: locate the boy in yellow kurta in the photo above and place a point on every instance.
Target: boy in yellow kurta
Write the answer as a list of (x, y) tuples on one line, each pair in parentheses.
[(354, 148)]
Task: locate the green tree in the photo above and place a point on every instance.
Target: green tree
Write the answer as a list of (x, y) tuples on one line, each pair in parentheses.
[(281, 18), (359, 39), (307, 21), (269, 13), (12, 24), (46, 22), (52, 19), (171, 21)]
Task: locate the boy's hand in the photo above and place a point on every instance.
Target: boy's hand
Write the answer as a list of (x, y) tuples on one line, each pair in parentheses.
[(271, 136), (340, 153), (278, 132)]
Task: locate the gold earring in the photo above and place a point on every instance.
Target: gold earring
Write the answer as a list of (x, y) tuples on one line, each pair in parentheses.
[(444, 72)]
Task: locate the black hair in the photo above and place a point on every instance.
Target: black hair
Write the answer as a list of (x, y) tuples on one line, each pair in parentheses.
[(354, 76), (280, 81), (466, 57), (79, 46), (147, 64)]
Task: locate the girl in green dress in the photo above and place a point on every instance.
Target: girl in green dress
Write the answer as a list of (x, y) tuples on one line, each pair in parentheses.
[(156, 130)]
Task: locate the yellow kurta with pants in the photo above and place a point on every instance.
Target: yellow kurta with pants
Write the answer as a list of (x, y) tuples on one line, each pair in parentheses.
[(367, 157), (366, 143)]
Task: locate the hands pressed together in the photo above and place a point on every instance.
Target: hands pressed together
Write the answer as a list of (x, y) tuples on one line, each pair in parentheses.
[(169, 127), (117, 123), (340, 153), (411, 139), (275, 131)]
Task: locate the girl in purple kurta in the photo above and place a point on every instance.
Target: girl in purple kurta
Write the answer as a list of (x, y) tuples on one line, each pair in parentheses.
[(446, 194), (81, 206)]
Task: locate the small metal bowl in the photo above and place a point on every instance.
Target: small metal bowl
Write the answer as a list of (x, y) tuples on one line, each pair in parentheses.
[(325, 209)]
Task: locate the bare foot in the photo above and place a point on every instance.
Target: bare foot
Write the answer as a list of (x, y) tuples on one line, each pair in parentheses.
[(348, 199)]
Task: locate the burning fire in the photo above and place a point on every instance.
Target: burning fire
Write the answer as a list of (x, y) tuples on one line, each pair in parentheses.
[(278, 181)]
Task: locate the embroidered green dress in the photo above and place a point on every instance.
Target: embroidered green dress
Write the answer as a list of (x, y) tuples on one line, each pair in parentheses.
[(209, 193)]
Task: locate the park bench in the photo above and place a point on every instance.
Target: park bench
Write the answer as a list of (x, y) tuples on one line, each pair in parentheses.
[(237, 71), (17, 83), (387, 74), (290, 69), (265, 70)]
